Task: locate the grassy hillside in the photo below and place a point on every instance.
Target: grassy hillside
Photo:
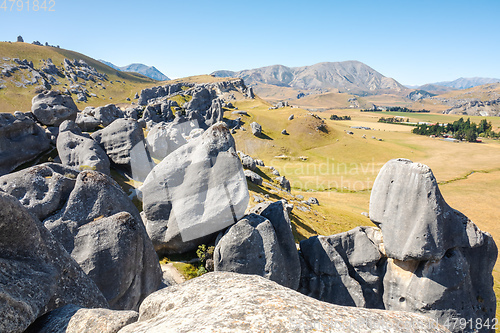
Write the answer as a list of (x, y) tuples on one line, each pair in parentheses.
[(340, 168), (14, 98)]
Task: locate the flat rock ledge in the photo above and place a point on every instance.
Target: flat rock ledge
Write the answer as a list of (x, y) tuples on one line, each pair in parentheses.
[(231, 302)]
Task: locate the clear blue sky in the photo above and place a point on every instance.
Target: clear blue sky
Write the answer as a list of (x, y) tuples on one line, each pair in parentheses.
[(415, 42)]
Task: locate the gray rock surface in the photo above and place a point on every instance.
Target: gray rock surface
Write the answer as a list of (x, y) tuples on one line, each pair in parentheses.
[(102, 230), (41, 189), (291, 117), (256, 129), (79, 151), (344, 269), (457, 286), (52, 108), (21, 140), (230, 302), (313, 201), (247, 161), (439, 263), (261, 245), (159, 112), (107, 114), (164, 138), (253, 177), (86, 122), (119, 140), (75, 319), (284, 183), (415, 220), (198, 190), (37, 274)]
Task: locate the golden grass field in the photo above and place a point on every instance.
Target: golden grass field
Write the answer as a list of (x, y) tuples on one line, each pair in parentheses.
[(340, 168)]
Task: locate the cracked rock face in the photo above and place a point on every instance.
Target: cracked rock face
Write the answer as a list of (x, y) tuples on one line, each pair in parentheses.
[(230, 302)]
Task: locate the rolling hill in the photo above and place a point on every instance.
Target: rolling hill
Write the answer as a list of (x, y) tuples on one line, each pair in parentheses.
[(149, 71), (20, 82), (352, 77)]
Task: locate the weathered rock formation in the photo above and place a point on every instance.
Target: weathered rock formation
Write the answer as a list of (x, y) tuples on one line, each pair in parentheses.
[(51, 108), (123, 141), (75, 319), (37, 274), (198, 190), (102, 230), (41, 189), (439, 262), (21, 140), (230, 302), (80, 151), (344, 269), (262, 245)]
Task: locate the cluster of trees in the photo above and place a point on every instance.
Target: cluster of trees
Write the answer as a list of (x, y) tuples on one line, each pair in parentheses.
[(396, 109), (335, 117), (460, 130), (393, 120), (400, 109)]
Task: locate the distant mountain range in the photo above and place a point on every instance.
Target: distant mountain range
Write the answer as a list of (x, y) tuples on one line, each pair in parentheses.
[(149, 71), (459, 84), (348, 76)]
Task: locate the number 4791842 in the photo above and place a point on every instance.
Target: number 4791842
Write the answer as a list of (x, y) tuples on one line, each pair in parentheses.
[(34, 5)]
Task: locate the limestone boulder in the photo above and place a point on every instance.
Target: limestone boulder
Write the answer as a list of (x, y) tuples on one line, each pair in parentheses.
[(416, 222), (21, 140), (51, 108), (37, 274), (261, 245), (123, 142), (75, 319), (102, 230), (230, 302), (198, 190), (80, 151), (344, 269), (42, 189)]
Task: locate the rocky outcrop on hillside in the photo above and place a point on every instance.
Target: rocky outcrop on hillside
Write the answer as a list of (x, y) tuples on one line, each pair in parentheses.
[(21, 140), (477, 108), (229, 302), (417, 95), (79, 74)]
